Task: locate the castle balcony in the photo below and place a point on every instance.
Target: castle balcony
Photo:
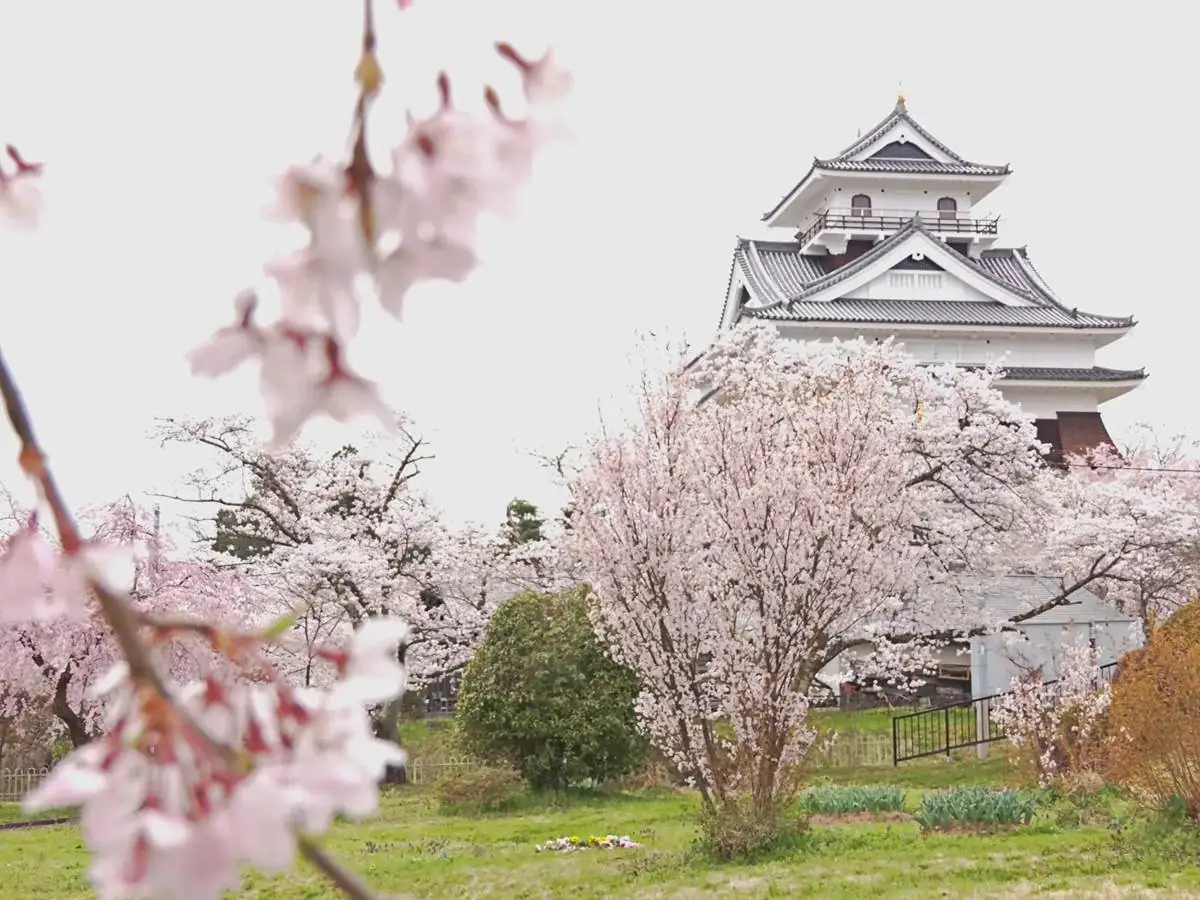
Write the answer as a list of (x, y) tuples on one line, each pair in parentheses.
[(834, 227)]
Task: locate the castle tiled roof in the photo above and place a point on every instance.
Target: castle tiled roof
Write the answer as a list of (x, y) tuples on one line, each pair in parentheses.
[(913, 166), (887, 160), (942, 312), (898, 116), (1095, 373), (782, 280)]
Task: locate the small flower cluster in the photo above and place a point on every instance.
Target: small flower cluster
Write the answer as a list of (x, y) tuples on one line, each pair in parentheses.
[(571, 844)]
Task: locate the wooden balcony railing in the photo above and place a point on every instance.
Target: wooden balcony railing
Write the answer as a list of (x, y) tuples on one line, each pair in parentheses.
[(874, 221)]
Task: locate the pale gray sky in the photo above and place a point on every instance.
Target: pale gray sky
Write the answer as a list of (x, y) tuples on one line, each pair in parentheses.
[(160, 123)]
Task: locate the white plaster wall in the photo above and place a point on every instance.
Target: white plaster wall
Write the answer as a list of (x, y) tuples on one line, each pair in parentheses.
[(898, 198), (1060, 350), (996, 660), (1045, 403)]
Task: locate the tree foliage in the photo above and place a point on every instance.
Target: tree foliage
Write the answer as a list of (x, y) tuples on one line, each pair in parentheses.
[(522, 525), (58, 662), (1154, 718), (543, 696)]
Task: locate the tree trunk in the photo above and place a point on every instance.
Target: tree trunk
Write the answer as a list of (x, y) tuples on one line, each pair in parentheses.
[(387, 728), (75, 727)]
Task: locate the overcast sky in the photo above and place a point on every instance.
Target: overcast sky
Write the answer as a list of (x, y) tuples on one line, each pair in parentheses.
[(161, 123)]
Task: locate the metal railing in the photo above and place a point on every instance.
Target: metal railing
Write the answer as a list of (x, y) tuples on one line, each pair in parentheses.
[(940, 730), (877, 220)]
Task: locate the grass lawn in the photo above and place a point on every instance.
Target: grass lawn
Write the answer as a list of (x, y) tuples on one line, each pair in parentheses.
[(414, 851)]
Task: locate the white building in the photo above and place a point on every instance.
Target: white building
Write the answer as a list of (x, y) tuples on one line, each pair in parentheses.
[(986, 665), (884, 240)]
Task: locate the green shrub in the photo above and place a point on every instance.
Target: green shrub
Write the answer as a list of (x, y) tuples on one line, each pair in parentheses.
[(543, 697), (831, 800), (735, 830), (975, 806), (1165, 835), (483, 788)]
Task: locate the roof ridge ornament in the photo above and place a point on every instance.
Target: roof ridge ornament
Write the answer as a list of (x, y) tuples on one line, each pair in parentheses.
[(901, 106)]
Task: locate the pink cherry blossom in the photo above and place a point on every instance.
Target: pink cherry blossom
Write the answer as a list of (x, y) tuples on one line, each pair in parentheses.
[(60, 654), (156, 792), (303, 373), (20, 194), (452, 168), (1055, 722)]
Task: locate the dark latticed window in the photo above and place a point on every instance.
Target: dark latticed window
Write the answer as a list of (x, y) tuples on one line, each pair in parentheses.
[(860, 205)]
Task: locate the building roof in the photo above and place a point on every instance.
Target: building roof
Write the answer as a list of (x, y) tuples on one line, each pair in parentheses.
[(925, 312), (1095, 373), (1009, 596), (895, 158), (907, 166), (897, 117), (781, 280)]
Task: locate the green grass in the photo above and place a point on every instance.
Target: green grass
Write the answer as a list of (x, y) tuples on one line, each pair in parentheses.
[(413, 851), (867, 721)]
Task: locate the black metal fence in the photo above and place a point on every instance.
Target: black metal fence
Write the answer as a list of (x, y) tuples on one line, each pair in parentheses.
[(940, 730)]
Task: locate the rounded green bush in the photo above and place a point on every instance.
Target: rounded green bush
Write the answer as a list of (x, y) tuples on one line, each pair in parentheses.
[(544, 697)]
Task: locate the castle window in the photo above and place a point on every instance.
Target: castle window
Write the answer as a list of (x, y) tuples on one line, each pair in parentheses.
[(860, 205), (947, 208)]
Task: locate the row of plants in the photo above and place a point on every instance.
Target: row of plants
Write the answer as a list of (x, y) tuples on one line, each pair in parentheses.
[(544, 707)]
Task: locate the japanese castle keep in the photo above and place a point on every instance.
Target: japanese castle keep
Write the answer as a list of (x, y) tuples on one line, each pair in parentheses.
[(883, 240)]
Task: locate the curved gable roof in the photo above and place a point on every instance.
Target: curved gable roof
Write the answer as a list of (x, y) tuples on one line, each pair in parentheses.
[(784, 284)]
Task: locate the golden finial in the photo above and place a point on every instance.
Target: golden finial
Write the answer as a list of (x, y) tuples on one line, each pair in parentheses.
[(900, 107)]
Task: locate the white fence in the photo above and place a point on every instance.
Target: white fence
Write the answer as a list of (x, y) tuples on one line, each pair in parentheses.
[(16, 783), (418, 772), (848, 750), (845, 751)]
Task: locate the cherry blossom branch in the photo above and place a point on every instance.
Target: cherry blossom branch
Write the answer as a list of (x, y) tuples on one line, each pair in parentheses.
[(124, 622), (33, 463), (342, 878), (117, 614), (360, 174)]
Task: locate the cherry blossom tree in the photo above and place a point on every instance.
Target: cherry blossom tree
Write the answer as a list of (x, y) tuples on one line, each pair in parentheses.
[(191, 782), (775, 505), (1056, 724), (343, 538), (1136, 522)]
